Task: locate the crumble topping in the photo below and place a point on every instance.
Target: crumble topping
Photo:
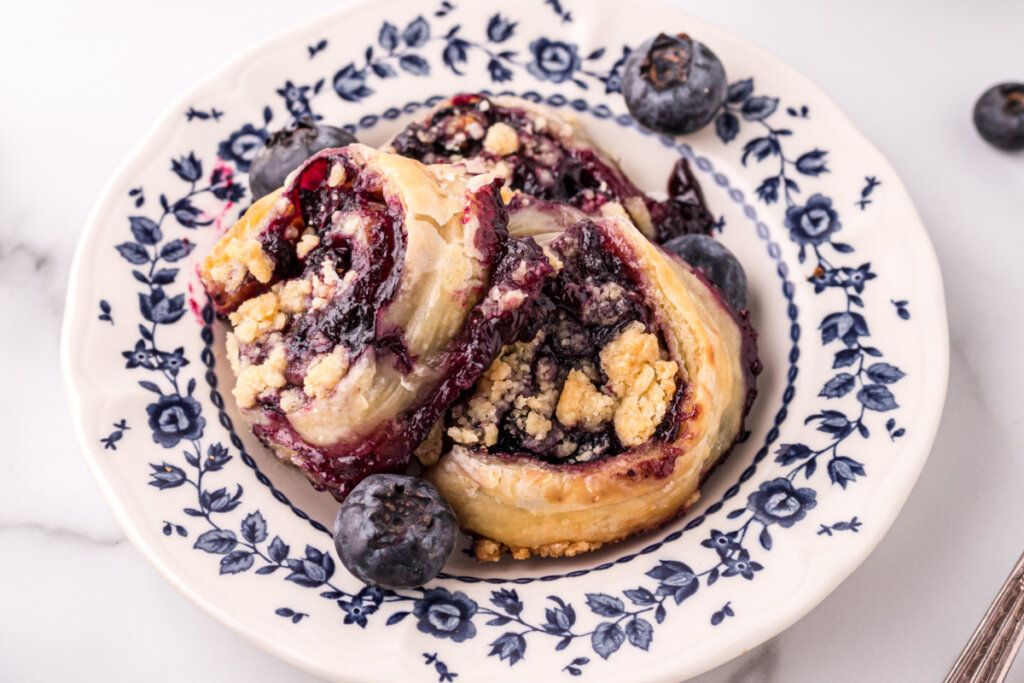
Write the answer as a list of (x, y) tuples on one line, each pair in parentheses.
[(307, 243), (291, 295), (501, 139), (337, 175), (256, 317), (325, 372), (257, 379), (642, 381), (582, 404)]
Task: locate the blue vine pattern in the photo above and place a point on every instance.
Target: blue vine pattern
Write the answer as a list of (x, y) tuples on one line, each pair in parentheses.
[(613, 621)]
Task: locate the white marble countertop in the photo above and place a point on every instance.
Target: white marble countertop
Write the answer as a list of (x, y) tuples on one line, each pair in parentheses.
[(83, 82)]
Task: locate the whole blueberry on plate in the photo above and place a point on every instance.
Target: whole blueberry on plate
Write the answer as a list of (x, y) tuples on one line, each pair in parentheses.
[(999, 116), (673, 84), (287, 149), (395, 531), (717, 262)]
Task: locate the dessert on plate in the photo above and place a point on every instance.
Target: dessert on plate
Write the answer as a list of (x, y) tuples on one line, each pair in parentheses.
[(488, 293)]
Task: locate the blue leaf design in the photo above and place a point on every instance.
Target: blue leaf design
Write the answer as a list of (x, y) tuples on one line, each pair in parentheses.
[(414, 64), (396, 617), (789, 453), (509, 646), (175, 250), (766, 539), (216, 541), (165, 476), (659, 614), (812, 163), (739, 91), (843, 470), (838, 386), (727, 126), (760, 148), (455, 53), (145, 230), (768, 191), (640, 596), (607, 638), (388, 37), (877, 397), (759, 108), (383, 70), (846, 358), (416, 33), (284, 612), (500, 29), (278, 550), (254, 528), (883, 373), (507, 600), (604, 605), (639, 632), (164, 276), (350, 84), (188, 168), (236, 562), (717, 618), (133, 252)]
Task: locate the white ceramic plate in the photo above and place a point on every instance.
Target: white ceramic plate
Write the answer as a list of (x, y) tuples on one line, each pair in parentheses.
[(846, 294)]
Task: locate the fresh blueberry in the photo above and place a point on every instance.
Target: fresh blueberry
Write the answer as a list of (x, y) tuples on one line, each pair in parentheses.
[(287, 149), (673, 84), (395, 531), (999, 115), (717, 262)]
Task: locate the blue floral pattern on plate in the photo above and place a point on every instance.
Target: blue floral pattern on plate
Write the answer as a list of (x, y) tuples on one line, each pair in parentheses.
[(738, 550)]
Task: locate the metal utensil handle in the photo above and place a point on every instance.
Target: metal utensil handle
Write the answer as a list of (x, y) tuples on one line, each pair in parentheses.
[(990, 651)]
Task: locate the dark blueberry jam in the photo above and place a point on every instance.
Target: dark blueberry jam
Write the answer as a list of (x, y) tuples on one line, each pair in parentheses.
[(593, 298), (546, 168)]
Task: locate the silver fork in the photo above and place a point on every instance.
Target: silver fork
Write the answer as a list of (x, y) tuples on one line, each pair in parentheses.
[(990, 651)]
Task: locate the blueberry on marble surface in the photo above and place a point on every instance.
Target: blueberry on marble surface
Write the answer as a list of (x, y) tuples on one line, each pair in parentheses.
[(287, 149), (999, 116), (673, 84), (717, 262), (395, 531)]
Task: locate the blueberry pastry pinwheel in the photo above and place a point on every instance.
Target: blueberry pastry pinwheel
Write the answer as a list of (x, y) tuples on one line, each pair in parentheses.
[(546, 157), (628, 384), (364, 296)]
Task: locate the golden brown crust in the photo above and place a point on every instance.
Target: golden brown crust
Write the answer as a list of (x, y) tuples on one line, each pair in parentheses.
[(530, 505)]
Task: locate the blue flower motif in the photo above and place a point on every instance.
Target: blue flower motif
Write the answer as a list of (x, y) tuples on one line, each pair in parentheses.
[(443, 614), (173, 418), (723, 543), (813, 223), (856, 277), (777, 502), (554, 60), (172, 362), (499, 72), (140, 355), (242, 145), (295, 99), (356, 611), (741, 565)]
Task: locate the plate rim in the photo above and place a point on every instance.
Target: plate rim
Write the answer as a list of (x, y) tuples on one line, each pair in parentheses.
[(917, 445)]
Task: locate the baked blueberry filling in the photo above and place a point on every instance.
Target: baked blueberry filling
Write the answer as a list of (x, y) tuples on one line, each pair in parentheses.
[(540, 158), (341, 367), (588, 376)]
